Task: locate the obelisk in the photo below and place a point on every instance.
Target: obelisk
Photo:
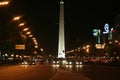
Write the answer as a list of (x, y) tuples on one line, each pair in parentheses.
[(61, 42)]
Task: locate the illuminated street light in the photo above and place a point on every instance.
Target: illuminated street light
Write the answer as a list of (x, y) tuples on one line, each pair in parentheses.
[(30, 36), (84, 47), (116, 41), (16, 18), (36, 46), (87, 46), (35, 42), (25, 29), (33, 38), (21, 24), (87, 50), (28, 33), (110, 42), (41, 49), (3, 3)]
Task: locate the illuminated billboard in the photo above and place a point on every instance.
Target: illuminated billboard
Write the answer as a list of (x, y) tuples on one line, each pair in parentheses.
[(100, 46), (106, 28), (95, 32), (20, 46)]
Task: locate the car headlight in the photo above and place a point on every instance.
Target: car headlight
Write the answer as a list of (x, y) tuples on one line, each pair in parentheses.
[(53, 61), (25, 62), (80, 62), (33, 63), (66, 62), (70, 62), (57, 61), (77, 62)]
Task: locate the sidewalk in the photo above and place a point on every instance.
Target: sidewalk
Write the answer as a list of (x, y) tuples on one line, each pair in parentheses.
[(66, 75)]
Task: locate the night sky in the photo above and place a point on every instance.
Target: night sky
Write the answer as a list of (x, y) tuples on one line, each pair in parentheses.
[(42, 16)]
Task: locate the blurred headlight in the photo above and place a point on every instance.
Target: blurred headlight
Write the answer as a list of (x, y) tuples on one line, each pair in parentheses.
[(80, 62), (70, 62), (25, 62), (57, 61), (66, 62), (77, 62), (53, 61)]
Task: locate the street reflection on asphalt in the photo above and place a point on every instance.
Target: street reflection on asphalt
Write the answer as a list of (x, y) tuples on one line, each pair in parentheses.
[(72, 68)]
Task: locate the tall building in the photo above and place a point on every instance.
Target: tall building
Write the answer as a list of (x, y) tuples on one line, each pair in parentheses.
[(61, 42)]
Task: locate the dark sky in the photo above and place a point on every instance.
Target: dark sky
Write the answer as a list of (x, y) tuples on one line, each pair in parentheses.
[(81, 16)]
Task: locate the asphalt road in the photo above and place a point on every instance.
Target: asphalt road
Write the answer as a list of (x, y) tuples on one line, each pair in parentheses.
[(95, 72), (50, 72), (26, 72)]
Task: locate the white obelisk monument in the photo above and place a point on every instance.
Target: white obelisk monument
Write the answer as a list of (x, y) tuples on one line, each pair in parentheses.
[(61, 42)]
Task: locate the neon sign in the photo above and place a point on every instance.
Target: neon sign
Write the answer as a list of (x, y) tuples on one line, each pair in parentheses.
[(106, 28)]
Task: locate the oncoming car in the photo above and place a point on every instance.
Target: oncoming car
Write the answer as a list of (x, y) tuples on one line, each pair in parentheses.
[(24, 63), (78, 62), (55, 62), (69, 62)]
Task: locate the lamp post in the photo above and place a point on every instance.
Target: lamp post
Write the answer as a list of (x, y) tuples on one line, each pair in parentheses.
[(18, 39)]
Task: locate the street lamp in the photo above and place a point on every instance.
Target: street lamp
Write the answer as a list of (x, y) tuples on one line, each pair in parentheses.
[(36, 46), (21, 24), (28, 33), (41, 49), (16, 18), (3, 3), (25, 29)]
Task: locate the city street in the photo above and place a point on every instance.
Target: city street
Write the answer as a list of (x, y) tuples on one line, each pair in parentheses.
[(68, 72), (26, 72), (87, 72)]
